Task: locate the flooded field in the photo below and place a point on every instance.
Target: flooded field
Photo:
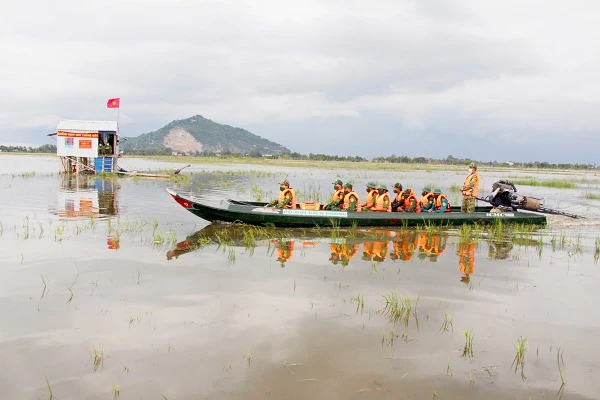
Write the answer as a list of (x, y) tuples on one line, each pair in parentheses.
[(109, 289)]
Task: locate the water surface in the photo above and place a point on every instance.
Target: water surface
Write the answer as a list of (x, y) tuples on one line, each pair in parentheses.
[(179, 308)]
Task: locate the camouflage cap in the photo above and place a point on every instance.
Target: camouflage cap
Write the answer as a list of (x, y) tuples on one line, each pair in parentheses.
[(338, 182), (348, 185), (285, 182), (371, 184), (398, 185), (473, 165)]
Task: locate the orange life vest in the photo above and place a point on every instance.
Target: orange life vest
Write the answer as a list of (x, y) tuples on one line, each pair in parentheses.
[(425, 199), (371, 198), (380, 203), (406, 204), (438, 203), (283, 194), (472, 178), (338, 195), (347, 201)]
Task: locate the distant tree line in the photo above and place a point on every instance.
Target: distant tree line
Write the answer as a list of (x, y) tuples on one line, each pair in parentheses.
[(45, 148), (393, 159)]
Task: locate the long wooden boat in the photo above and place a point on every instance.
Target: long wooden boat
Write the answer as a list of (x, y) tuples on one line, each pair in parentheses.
[(255, 213)]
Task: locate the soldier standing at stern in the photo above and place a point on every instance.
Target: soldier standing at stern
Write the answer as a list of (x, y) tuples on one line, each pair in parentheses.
[(470, 189)]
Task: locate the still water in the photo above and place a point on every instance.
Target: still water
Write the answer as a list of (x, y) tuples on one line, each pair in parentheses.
[(110, 289)]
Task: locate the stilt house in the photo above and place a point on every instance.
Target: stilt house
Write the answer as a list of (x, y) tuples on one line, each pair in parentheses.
[(90, 146)]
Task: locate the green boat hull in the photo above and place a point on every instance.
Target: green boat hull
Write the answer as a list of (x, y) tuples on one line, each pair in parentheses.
[(255, 213)]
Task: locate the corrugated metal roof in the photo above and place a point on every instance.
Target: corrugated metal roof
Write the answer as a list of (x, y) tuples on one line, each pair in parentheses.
[(86, 126)]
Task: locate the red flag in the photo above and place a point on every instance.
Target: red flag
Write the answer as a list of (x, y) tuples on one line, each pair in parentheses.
[(113, 103)]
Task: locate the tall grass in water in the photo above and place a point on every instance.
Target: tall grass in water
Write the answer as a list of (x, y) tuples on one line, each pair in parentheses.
[(360, 303), (97, 356), (49, 387), (561, 363), (592, 196), (519, 361), (398, 309), (551, 183), (116, 391), (467, 351), (447, 324)]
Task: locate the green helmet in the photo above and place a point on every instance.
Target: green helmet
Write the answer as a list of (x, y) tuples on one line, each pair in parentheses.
[(427, 189), (382, 186), (437, 191), (348, 185), (338, 182), (371, 184)]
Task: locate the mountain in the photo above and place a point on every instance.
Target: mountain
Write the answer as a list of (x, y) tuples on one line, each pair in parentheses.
[(198, 134)]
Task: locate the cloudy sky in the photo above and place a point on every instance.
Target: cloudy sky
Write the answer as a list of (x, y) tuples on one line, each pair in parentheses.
[(489, 80)]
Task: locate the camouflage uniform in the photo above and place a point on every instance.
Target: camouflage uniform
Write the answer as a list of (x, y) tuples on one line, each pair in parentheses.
[(469, 202)]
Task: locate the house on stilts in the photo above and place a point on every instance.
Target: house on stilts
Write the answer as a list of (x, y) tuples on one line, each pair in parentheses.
[(87, 146)]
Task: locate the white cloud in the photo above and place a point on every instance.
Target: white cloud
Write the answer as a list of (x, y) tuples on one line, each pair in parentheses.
[(513, 71)]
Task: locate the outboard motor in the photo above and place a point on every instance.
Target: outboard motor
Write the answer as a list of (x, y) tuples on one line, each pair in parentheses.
[(505, 198)]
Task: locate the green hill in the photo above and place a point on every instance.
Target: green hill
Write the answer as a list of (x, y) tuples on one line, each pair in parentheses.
[(198, 134)]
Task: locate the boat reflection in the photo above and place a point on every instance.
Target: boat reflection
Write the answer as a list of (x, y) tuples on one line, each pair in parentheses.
[(343, 247)]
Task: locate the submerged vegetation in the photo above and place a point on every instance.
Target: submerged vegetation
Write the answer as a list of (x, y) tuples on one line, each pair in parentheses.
[(592, 196), (551, 183)]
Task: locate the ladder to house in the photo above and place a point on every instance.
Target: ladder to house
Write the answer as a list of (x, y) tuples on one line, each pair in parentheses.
[(104, 164)]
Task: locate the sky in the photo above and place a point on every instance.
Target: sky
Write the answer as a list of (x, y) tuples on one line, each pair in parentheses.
[(508, 80)]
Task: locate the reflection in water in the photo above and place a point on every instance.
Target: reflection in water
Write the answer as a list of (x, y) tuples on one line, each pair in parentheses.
[(344, 245), (285, 250), (88, 196), (405, 248), (499, 249), (343, 253), (466, 258), (431, 245)]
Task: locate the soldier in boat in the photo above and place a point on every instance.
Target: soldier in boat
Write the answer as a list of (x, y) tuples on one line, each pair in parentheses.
[(338, 196), (397, 202), (438, 203), (371, 196), (425, 196), (470, 189), (410, 203), (351, 200), (286, 198), (383, 202)]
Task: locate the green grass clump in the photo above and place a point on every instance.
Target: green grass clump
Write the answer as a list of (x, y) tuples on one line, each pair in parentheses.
[(447, 324), (97, 356), (551, 183), (454, 188), (399, 308), (592, 196), (519, 361), (468, 347)]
